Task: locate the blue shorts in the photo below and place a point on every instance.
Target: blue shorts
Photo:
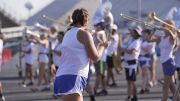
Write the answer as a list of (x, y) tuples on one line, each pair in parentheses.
[(144, 63), (69, 84), (169, 67)]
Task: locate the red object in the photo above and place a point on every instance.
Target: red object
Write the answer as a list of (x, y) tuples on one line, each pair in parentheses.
[(6, 55)]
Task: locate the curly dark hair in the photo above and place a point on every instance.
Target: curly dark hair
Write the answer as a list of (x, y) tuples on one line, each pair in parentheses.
[(80, 16)]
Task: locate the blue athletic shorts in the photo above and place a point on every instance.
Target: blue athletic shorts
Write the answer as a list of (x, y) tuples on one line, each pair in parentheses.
[(144, 63), (69, 84), (169, 67)]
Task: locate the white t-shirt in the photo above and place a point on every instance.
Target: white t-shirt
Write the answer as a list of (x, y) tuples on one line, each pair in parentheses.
[(56, 58), (177, 55), (53, 41), (136, 45), (29, 58), (113, 45), (147, 47)]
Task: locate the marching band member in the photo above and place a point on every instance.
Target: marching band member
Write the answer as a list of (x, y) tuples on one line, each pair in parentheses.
[(1, 50), (53, 41), (112, 51), (76, 49), (29, 61), (131, 54), (42, 59), (145, 60), (56, 51), (167, 45), (100, 36)]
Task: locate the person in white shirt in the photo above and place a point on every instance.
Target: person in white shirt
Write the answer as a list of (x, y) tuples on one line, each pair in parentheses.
[(1, 50), (145, 60), (57, 50), (52, 37), (100, 36), (112, 51), (29, 60), (167, 44), (77, 48), (131, 55)]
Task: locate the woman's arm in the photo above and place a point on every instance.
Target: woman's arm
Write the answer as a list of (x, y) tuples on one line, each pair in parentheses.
[(86, 39), (43, 42)]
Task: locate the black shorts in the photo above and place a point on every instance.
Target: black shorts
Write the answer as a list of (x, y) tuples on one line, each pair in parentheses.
[(51, 59), (132, 76), (178, 69), (109, 62), (56, 67)]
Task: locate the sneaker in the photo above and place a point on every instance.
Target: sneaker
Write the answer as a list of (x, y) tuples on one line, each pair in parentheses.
[(128, 98), (151, 84), (147, 90), (2, 98), (161, 81), (34, 89), (92, 98), (102, 93), (155, 83), (134, 99), (30, 84), (141, 91), (22, 84), (113, 85), (46, 89)]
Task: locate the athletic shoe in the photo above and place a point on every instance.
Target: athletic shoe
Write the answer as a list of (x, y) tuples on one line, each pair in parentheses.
[(2, 98), (102, 93), (46, 89), (30, 84), (113, 85), (141, 91), (128, 98), (134, 99)]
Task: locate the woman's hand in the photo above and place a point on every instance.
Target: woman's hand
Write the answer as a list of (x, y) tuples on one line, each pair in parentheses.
[(104, 44)]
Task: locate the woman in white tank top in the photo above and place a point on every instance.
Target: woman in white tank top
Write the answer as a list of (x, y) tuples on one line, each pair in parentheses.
[(167, 45), (77, 49)]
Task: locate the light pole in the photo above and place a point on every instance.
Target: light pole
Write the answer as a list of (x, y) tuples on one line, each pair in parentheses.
[(139, 8), (29, 7)]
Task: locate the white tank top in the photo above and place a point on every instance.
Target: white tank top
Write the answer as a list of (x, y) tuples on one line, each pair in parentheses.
[(166, 49), (74, 59)]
